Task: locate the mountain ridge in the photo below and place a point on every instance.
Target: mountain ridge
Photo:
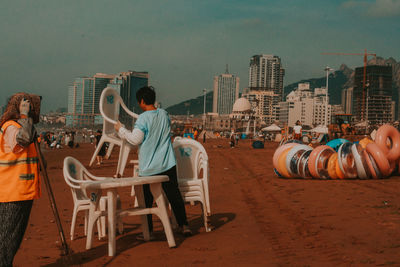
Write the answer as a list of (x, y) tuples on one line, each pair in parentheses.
[(338, 80)]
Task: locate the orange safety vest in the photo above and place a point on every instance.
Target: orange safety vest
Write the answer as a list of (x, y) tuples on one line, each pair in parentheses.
[(19, 172)]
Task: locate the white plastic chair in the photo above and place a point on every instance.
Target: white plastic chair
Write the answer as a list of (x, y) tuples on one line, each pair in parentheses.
[(110, 103), (191, 159), (76, 174)]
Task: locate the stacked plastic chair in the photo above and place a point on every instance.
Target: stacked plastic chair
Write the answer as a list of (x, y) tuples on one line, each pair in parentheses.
[(340, 158)]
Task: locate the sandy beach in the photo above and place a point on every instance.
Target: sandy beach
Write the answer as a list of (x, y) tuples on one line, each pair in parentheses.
[(258, 219)]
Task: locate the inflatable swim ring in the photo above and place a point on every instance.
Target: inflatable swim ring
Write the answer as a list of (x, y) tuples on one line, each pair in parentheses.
[(335, 143), (387, 133), (346, 161), (293, 156)]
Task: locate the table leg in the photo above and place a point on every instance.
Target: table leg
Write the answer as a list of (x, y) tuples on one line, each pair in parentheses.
[(112, 207), (156, 190), (94, 203), (142, 204)]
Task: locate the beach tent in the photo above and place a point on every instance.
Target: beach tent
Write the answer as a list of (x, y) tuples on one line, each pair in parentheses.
[(320, 129), (271, 128)]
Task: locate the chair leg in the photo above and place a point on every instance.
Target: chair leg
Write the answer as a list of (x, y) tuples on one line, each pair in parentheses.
[(89, 237), (205, 218), (102, 219), (99, 145), (174, 224), (73, 222), (124, 154), (86, 220), (109, 151), (99, 229), (133, 194), (162, 213), (120, 224), (111, 206), (143, 218), (93, 216), (121, 153), (132, 191)]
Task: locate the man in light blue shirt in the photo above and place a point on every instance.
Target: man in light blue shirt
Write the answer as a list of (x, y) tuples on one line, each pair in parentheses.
[(156, 154)]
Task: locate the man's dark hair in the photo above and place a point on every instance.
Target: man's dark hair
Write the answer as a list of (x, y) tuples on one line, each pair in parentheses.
[(146, 93)]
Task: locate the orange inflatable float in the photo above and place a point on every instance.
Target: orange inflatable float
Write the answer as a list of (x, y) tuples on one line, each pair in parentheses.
[(278, 152), (364, 160), (332, 166)]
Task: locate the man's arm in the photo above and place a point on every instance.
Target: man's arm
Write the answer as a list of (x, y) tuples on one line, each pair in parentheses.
[(135, 137)]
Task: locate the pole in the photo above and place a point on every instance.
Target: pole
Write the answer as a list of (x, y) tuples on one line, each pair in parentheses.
[(51, 197), (327, 69), (366, 109), (366, 115), (204, 110)]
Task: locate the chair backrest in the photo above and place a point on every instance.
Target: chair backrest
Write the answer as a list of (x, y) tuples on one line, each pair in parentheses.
[(74, 175), (191, 159), (110, 103)]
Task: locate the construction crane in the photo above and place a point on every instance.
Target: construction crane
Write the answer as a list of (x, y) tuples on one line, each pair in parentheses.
[(365, 54)]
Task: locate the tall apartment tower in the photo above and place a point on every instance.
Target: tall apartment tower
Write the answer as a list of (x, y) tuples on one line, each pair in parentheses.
[(266, 73), (127, 84), (226, 91), (375, 104), (347, 100), (83, 99), (84, 96)]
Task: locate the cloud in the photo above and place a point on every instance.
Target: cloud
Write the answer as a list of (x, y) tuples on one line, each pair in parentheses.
[(377, 9)]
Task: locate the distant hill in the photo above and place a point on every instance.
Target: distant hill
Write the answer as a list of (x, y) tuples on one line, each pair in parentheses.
[(194, 106), (338, 80)]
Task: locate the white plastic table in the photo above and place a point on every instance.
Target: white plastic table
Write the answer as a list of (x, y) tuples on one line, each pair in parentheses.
[(94, 192)]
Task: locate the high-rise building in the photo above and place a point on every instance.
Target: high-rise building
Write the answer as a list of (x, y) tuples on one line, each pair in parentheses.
[(127, 84), (83, 99), (347, 100), (306, 106), (84, 96), (262, 103), (375, 102), (226, 91), (320, 108), (266, 73)]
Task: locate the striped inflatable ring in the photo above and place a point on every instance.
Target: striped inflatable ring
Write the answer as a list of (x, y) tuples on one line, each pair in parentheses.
[(278, 152), (380, 159), (293, 156), (346, 161)]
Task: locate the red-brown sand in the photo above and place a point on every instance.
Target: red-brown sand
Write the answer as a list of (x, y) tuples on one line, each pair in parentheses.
[(259, 219)]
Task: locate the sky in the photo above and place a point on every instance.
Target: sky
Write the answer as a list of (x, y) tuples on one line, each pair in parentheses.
[(183, 44)]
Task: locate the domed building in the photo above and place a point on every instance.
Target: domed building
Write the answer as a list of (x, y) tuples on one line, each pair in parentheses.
[(241, 106), (242, 114)]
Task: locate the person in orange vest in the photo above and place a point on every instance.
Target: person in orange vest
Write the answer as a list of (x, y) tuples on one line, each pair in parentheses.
[(19, 174)]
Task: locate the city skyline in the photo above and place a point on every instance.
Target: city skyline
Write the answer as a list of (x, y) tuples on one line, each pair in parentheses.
[(183, 45)]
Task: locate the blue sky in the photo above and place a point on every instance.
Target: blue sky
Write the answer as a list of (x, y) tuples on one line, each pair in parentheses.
[(45, 44)]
